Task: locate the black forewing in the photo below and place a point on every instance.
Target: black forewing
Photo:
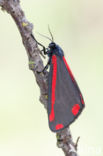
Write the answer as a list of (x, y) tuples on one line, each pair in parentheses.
[(67, 97)]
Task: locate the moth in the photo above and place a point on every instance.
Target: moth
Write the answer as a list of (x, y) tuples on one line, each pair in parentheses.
[(65, 100)]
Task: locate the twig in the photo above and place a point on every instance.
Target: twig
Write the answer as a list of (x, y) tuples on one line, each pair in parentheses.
[(76, 144), (64, 138)]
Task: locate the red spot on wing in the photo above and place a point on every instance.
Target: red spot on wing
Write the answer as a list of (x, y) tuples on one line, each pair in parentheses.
[(81, 99), (59, 126), (68, 68), (54, 76), (75, 109)]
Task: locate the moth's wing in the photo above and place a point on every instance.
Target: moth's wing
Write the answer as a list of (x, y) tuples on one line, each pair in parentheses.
[(65, 101)]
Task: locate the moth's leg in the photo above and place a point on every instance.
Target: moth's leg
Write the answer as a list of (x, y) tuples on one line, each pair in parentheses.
[(44, 49), (46, 67)]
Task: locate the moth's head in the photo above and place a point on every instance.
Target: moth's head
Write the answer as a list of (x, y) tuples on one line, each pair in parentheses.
[(52, 45)]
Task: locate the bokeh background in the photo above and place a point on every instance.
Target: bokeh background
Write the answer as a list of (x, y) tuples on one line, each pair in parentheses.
[(77, 27)]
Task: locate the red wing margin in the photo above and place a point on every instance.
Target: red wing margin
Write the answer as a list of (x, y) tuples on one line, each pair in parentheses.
[(65, 101)]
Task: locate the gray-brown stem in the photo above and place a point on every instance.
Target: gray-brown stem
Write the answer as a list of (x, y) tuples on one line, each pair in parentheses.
[(64, 138)]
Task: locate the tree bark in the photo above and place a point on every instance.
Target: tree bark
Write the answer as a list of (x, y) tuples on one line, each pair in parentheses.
[(64, 138)]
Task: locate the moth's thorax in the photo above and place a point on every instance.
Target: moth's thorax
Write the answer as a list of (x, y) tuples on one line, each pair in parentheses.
[(53, 48)]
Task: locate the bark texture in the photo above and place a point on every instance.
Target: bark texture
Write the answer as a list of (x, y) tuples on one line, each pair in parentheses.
[(64, 138)]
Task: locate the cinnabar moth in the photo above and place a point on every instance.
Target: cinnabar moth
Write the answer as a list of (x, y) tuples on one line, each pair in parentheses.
[(65, 100)]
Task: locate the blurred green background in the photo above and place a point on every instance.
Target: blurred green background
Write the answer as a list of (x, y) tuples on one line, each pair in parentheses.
[(77, 27)]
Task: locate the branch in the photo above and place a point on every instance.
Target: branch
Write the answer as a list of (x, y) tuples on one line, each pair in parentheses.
[(64, 138)]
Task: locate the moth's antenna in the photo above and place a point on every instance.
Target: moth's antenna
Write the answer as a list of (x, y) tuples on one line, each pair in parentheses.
[(44, 36), (51, 33)]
